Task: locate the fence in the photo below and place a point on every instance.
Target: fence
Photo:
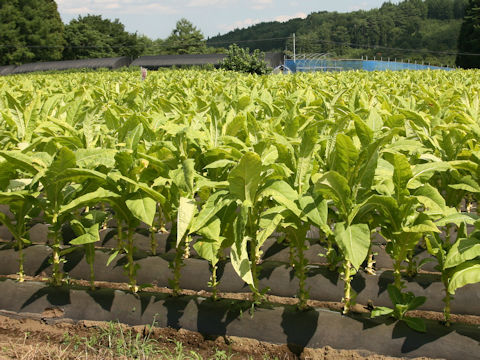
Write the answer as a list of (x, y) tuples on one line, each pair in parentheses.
[(306, 65)]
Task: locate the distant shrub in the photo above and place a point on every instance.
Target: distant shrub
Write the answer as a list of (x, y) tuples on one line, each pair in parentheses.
[(239, 59)]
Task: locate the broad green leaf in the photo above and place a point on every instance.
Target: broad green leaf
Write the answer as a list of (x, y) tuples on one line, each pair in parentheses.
[(19, 160), (423, 172), (186, 212), (91, 158), (334, 186), (354, 241), (463, 250), (238, 252), (345, 156), (244, 178), (316, 211), (364, 133), (89, 237), (416, 324), (464, 274), (467, 183), (457, 218), (211, 230), (374, 121), (270, 225), (115, 176), (188, 167), (112, 257), (222, 163), (133, 137), (402, 173), (94, 197), (431, 198), (282, 193), (269, 155), (142, 207), (380, 311), (64, 160), (208, 249), (212, 206)]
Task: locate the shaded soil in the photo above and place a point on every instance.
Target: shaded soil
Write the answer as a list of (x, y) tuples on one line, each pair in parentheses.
[(41, 337)]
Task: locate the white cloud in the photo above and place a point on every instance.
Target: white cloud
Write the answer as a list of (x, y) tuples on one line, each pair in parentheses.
[(285, 18), (205, 3), (361, 6), (115, 6), (250, 21), (240, 24)]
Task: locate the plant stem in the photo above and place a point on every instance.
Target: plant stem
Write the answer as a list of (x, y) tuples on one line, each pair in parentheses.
[(177, 265), (21, 257), (446, 299), (302, 277), (131, 265), (257, 297), (347, 288), (397, 275), (57, 275), (120, 243), (153, 241), (92, 277), (214, 283), (370, 262)]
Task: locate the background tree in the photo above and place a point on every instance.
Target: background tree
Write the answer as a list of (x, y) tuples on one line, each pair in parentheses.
[(30, 30), (93, 37), (469, 39), (185, 39), (239, 59)]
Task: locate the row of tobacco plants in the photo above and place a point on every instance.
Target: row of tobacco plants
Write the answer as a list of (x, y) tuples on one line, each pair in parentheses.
[(226, 160)]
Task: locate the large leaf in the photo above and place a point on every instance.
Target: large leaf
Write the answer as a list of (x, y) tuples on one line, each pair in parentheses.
[(423, 172), (93, 197), (188, 167), (463, 250), (464, 274), (316, 211), (345, 156), (245, 177), (282, 193), (402, 173), (91, 158), (334, 186), (91, 235), (186, 212), (19, 160), (142, 207), (212, 206), (239, 253), (354, 241), (209, 245), (270, 225)]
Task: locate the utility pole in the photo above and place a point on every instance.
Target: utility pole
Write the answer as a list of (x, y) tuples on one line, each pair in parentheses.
[(294, 49)]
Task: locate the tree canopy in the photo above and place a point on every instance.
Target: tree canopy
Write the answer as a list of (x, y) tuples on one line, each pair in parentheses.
[(93, 37), (185, 39), (469, 38), (30, 30)]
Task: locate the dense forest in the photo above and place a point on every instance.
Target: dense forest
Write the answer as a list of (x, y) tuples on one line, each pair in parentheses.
[(418, 30)]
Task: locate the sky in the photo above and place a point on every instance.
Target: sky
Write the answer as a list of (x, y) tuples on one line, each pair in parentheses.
[(157, 18)]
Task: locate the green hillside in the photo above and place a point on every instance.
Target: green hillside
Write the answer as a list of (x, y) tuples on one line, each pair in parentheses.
[(414, 29)]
